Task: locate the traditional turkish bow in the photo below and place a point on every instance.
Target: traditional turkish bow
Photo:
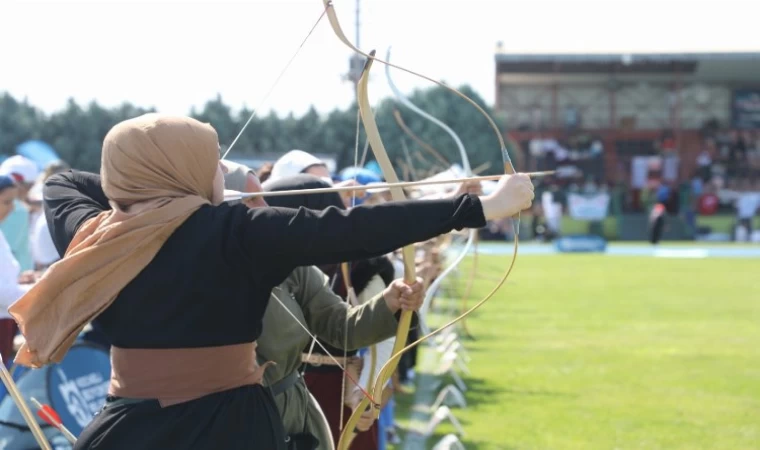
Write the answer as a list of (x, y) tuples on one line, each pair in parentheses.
[(472, 234), (405, 321), (381, 155), (370, 400), (425, 146)]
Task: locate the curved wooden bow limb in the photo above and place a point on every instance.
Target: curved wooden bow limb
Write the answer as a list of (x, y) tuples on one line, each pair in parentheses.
[(335, 24), (414, 175), (425, 146), (433, 169), (508, 169), (381, 155), (472, 233), (377, 147)]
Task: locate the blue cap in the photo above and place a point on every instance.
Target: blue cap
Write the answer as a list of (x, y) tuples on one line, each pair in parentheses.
[(6, 181)]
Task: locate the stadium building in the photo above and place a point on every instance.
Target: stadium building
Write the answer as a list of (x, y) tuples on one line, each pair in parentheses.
[(632, 119)]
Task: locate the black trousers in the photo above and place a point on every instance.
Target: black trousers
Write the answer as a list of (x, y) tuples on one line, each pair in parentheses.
[(244, 418)]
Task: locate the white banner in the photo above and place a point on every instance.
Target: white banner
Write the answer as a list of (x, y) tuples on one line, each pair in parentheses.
[(640, 166), (589, 206)]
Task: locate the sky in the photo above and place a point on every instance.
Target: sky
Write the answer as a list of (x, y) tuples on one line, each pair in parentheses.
[(173, 55)]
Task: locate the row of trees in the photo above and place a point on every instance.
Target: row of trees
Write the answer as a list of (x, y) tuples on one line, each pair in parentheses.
[(76, 132)]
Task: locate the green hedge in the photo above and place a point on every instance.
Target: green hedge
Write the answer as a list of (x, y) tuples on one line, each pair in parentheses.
[(718, 224), (574, 226), (723, 223)]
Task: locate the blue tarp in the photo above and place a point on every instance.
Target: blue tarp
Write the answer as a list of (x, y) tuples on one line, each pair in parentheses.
[(374, 167), (39, 152)]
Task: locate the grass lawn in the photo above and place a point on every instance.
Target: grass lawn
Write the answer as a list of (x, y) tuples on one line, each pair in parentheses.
[(599, 352)]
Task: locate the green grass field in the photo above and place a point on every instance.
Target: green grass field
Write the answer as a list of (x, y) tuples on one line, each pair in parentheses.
[(602, 352)]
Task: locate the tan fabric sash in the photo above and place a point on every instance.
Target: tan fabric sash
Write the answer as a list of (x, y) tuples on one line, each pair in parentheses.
[(178, 375)]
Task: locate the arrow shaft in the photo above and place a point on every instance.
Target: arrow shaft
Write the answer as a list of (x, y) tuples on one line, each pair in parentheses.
[(31, 421), (403, 184)]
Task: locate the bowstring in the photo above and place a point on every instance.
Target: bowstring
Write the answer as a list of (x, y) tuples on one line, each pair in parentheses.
[(364, 154), (276, 82), (234, 141), (305, 329), (348, 294)]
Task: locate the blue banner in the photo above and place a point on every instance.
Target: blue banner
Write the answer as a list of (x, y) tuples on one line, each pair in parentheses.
[(580, 243), (78, 386)]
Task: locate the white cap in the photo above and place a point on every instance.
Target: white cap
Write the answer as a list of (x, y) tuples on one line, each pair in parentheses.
[(22, 167), (293, 163)]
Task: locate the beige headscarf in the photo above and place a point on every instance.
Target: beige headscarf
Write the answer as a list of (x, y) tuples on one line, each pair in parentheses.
[(156, 171)]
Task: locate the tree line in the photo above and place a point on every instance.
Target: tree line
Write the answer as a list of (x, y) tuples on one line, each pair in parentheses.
[(76, 132)]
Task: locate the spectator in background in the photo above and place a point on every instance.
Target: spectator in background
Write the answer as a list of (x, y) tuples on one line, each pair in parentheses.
[(296, 162), (746, 207), (17, 225), (689, 193), (738, 149), (552, 201), (697, 186), (656, 223), (43, 250), (13, 282), (704, 161), (668, 142), (663, 193), (673, 199), (590, 186), (537, 226), (707, 203)]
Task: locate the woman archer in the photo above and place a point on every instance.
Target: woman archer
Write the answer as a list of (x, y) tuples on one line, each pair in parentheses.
[(337, 396), (179, 282)]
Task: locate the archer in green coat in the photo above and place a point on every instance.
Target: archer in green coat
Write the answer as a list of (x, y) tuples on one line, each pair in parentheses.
[(305, 299)]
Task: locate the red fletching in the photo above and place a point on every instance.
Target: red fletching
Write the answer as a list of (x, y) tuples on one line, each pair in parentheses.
[(49, 415)]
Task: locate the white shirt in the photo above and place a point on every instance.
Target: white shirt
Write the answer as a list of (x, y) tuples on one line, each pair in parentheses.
[(43, 249), (10, 289), (747, 204), (552, 209)]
